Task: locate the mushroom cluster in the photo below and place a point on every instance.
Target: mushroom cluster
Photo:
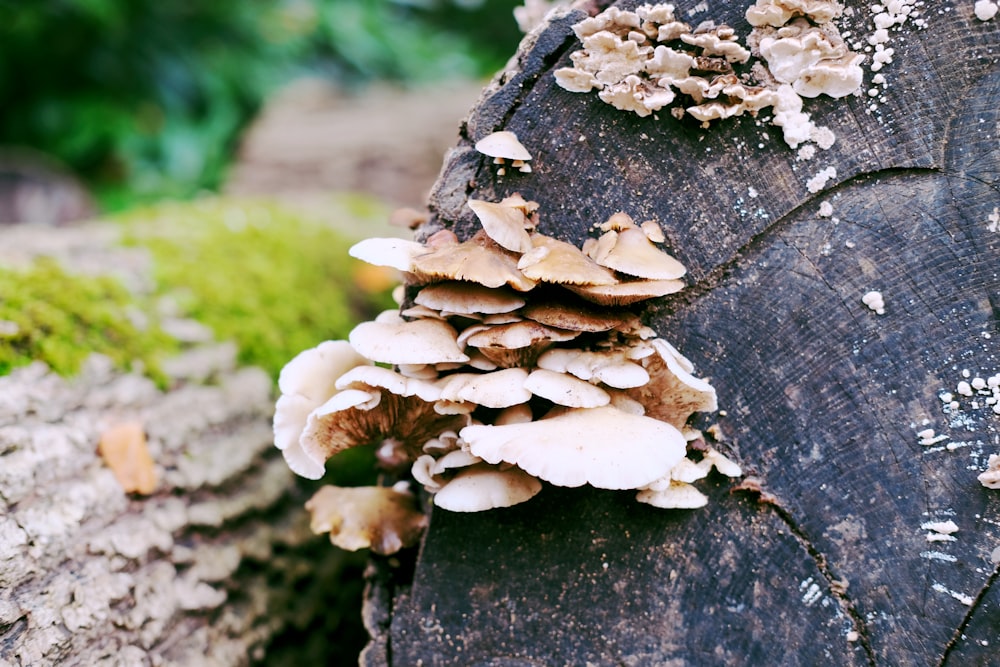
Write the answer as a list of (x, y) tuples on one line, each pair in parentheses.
[(641, 60), (645, 60), (516, 358)]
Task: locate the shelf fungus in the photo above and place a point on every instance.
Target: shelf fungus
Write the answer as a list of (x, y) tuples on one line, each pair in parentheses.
[(516, 360), (646, 60)]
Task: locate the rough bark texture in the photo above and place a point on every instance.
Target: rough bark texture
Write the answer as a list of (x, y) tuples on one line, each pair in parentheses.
[(823, 399), (207, 570)]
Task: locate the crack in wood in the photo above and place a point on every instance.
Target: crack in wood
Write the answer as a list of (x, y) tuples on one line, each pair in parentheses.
[(973, 608), (835, 586)]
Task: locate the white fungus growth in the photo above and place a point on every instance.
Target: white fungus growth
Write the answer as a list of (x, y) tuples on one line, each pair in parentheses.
[(874, 301), (818, 182), (993, 220), (645, 60), (986, 9), (825, 209)]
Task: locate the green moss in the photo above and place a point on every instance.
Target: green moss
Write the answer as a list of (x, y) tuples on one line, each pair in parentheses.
[(275, 281), (49, 315)]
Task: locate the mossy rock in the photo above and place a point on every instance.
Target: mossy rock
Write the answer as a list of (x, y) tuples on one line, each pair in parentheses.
[(270, 278)]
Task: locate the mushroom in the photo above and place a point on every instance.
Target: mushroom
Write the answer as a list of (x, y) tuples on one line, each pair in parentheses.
[(563, 389), (380, 518), (499, 389), (306, 382), (990, 478), (503, 224), (609, 367), (392, 252), (558, 262), (675, 495), (393, 340), (349, 419), (626, 292), (479, 260), (672, 393), (375, 377), (504, 146), (466, 298), (482, 487), (576, 315), (518, 343), (631, 252), (603, 447)]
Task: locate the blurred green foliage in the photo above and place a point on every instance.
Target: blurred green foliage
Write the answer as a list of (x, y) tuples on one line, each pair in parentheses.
[(145, 98)]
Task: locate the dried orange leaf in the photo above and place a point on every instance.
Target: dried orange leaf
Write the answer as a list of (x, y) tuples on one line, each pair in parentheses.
[(123, 448)]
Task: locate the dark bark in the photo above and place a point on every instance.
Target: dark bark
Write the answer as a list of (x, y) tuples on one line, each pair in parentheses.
[(823, 399)]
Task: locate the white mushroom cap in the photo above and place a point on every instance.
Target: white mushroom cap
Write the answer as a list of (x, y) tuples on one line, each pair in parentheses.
[(381, 518), (369, 377), (518, 343), (313, 372), (466, 298), (563, 389), (504, 224), (603, 447), (306, 382), (481, 487), (610, 367), (723, 464), (515, 414), (400, 342), (678, 495), (503, 144), (498, 389), (423, 472), (391, 252)]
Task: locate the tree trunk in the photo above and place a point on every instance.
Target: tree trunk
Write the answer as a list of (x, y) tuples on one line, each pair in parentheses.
[(822, 398), (214, 567)]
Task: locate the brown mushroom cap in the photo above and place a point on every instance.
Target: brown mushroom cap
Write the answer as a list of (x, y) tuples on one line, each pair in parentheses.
[(576, 315), (672, 393), (466, 298), (554, 261), (602, 447), (375, 517), (348, 420), (479, 260), (625, 293)]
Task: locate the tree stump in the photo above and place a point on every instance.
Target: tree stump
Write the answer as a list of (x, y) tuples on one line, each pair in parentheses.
[(823, 558)]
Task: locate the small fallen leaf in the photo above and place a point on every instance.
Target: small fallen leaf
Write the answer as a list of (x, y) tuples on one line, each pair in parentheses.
[(123, 448)]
